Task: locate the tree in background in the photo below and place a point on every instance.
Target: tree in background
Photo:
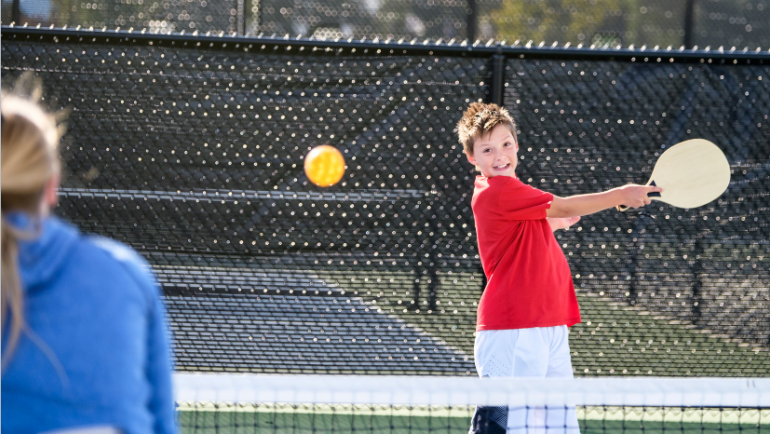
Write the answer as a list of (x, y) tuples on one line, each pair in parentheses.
[(600, 22), (166, 15), (576, 21), (739, 23)]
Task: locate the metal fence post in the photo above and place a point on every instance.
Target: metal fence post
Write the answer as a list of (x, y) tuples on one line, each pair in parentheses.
[(16, 12), (689, 9), (240, 25), (471, 21), (496, 91)]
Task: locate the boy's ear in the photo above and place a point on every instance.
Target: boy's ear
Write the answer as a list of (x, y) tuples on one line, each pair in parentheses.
[(470, 158)]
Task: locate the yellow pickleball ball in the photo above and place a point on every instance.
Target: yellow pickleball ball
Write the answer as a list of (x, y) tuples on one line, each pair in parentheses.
[(324, 166)]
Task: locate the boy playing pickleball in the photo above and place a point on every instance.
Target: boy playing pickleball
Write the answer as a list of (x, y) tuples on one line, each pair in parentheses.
[(529, 301)]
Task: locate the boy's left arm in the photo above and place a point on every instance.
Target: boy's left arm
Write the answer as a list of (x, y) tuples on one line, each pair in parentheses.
[(562, 222)]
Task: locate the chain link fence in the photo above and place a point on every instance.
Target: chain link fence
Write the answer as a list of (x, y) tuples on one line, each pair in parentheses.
[(190, 149)]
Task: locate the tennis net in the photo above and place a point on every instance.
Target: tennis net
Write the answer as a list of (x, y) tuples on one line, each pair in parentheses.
[(248, 403)]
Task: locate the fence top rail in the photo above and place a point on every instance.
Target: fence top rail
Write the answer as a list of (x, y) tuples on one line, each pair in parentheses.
[(389, 47)]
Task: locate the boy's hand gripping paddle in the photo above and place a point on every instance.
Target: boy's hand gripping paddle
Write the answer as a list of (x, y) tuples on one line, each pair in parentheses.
[(692, 173)]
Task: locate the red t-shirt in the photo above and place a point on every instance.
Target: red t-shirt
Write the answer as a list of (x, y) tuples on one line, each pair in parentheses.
[(529, 283)]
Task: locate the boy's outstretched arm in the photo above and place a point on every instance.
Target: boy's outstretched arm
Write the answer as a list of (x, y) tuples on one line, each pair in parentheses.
[(632, 195)]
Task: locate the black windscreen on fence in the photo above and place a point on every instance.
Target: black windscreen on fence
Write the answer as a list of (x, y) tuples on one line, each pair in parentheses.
[(191, 150)]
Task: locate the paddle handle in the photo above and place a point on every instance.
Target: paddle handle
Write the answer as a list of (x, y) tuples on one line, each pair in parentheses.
[(623, 208)]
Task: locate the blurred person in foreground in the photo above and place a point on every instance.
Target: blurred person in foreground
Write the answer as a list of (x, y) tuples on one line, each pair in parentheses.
[(84, 342)]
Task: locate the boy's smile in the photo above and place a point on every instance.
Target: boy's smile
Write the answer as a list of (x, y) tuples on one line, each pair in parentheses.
[(495, 153)]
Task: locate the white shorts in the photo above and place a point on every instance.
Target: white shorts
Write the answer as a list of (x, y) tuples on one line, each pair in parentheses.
[(541, 352)]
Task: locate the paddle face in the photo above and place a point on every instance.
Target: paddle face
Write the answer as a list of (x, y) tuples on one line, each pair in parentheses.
[(691, 173)]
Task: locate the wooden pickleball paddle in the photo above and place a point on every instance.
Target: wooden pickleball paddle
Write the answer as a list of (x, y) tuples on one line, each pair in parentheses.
[(692, 173)]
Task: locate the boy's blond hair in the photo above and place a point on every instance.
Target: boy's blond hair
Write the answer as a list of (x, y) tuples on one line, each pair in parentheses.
[(480, 119)]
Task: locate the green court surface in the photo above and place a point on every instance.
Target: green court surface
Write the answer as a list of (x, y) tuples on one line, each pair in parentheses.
[(613, 339), (320, 419)]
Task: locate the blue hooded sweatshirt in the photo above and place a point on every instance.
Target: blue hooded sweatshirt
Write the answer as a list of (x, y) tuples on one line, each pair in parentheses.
[(96, 351)]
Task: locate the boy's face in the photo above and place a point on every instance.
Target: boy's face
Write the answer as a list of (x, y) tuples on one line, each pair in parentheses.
[(495, 153)]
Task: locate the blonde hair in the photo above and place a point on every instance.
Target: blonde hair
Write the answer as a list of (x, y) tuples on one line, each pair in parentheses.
[(479, 119), (30, 137)]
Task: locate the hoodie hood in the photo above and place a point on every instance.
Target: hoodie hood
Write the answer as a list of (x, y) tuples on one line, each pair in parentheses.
[(46, 252)]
